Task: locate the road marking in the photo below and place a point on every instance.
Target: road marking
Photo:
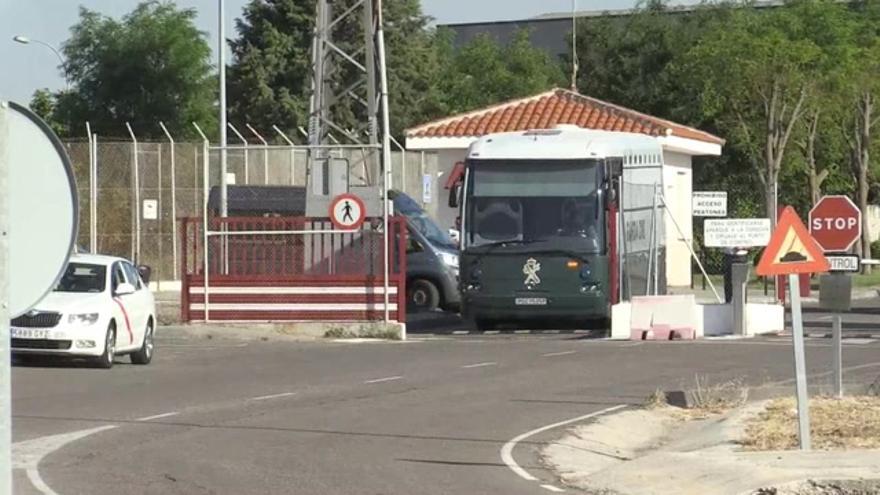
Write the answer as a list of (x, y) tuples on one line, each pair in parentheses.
[(28, 454), (552, 488), (522, 331), (491, 332), (507, 449), (460, 332), (386, 379), (273, 396), (550, 331), (480, 365), (553, 354), (158, 416)]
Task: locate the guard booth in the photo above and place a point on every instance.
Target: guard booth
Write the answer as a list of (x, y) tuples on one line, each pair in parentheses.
[(274, 257)]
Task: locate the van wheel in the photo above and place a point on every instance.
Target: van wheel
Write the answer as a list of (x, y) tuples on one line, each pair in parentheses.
[(423, 295)]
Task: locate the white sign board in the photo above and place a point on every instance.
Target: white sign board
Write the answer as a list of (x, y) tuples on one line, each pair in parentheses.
[(736, 232), (427, 187), (710, 203), (151, 209), (844, 263), (230, 179)]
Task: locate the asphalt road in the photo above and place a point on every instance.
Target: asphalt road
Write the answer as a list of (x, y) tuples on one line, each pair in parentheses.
[(427, 416)]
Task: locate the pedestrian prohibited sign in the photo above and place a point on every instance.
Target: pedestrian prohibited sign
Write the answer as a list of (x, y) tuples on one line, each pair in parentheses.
[(347, 212)]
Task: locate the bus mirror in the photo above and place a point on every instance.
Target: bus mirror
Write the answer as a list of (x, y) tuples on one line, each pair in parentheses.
[(454, 194)]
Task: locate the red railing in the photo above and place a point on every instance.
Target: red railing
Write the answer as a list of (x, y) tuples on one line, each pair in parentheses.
[(253, 262)]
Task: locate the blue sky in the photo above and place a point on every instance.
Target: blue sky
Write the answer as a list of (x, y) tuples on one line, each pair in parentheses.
[(28, 67)]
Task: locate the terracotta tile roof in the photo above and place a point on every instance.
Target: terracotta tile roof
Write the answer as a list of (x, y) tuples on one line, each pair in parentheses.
[(558, 106)]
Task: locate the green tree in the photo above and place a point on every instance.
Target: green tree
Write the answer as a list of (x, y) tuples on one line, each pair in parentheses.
[(152, 65), (483, 72), (44, 103), (755, 73), (269, 80)]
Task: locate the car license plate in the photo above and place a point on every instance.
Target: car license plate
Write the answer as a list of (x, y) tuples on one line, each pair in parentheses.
[(28, 333), (531, 301)]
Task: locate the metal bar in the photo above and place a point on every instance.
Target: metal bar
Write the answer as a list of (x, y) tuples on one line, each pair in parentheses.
[(797, 330), (93, 237), (176, 271), (275, 232), (265, 153), (221, 54), (651, 255), (386, 143), (402, 164), (233, 147), (245, 144), (136, 255), (205, 213), (5, 351), (691, 249), (159, 215), (837, 357)]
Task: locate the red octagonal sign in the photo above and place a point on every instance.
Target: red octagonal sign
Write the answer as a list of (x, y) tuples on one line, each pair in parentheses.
[(835, 223)]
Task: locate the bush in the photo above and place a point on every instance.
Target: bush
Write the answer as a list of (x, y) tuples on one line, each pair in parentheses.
[(875, 250)]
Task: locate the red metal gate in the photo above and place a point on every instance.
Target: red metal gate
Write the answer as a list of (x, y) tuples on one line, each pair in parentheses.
[(291, 269)]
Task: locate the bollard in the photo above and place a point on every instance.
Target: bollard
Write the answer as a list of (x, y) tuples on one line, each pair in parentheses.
[(835, 294), (739, 275)]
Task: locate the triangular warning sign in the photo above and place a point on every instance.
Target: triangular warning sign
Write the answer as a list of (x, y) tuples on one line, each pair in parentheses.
[(791, 249)]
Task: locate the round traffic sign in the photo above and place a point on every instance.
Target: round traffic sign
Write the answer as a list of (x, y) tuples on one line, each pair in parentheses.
[(347, 212), (42, 207), (835, 223)]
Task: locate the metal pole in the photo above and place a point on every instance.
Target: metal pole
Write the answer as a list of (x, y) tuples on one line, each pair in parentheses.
[(206, 266), (173, 204), (221, 53), (205, 150), (292, 155), (403, 164), (5, 354), (93, 187), (137, 196), (837, 337), (386, 143), (159, 215), (265, 153), (245, 144), (651, 255), (797, 330), (656, 243), (691, 249)]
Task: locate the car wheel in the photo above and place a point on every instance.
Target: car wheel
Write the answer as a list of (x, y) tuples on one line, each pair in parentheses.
[(145, 354), (423, 295), (106, 359)]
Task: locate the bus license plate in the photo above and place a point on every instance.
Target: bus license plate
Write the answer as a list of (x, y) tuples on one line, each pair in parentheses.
[(531, 301)]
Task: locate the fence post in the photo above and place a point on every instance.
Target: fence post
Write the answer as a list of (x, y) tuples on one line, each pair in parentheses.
[(245, 143), (265, 153), (175, 271), (136, 248), (93, 189), (292, 154)]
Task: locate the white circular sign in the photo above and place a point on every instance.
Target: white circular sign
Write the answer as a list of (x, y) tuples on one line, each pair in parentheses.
[(42, 207), (347, 212)]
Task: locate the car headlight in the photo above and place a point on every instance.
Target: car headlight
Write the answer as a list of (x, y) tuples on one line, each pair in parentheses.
[(83, 319), (450, 260)]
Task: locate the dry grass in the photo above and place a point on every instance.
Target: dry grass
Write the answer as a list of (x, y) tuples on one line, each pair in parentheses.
[(705, 399), (835, 424), (656, 400)]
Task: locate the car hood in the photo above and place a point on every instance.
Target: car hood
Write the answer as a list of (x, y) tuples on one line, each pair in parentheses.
[(72, 302)]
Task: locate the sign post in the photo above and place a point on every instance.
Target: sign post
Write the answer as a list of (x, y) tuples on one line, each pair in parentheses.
[(792, 251)]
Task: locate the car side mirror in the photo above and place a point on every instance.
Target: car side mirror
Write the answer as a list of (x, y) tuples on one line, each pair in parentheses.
[(145, 272), (124, 289), (454, 195)]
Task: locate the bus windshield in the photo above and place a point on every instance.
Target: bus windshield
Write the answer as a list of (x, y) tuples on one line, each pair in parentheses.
[(528, 201)]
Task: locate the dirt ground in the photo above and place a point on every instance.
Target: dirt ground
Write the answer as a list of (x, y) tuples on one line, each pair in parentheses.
[(845, 487)]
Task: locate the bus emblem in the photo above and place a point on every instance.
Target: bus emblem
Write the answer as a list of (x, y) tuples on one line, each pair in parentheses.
[(530, 270)]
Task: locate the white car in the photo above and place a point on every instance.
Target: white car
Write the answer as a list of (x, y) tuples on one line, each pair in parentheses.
[(101, 308)]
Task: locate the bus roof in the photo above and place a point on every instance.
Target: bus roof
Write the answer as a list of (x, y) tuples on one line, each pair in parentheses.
[(563, 142)]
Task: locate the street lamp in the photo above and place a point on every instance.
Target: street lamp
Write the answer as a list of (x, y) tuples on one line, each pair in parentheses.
[(24, 40)]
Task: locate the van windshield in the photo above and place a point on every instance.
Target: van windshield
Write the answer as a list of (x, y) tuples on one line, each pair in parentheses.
[(535, 200), (419, 221)]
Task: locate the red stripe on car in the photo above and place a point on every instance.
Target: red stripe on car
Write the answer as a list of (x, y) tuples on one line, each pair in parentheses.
[(127, 322)]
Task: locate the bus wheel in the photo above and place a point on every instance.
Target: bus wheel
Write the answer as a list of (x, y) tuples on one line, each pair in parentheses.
[(423, 295)]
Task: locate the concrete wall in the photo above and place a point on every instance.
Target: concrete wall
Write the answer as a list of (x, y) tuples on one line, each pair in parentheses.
[(678, 189)]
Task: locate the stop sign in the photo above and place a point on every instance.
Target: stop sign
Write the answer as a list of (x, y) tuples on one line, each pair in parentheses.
[(835, 223)]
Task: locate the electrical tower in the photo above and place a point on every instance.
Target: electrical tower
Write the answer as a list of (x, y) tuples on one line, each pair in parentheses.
[(348, 72)]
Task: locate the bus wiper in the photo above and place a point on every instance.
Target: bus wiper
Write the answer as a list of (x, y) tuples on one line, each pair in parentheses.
[(510, 242), (563, 252)]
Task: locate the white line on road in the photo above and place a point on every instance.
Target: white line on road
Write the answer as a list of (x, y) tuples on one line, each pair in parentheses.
[(158, 416), (386, 379), (492, 332), (552, 488), (507, 449), (273, 396), (553, 354), (28, 454), (460, 332), (480, 365)]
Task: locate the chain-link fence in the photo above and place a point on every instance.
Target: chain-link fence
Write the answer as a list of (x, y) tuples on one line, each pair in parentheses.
[(144, 188)]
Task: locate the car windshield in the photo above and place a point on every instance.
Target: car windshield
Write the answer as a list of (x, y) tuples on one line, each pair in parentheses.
[(82, 277), (420, 221), (535, 200)]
